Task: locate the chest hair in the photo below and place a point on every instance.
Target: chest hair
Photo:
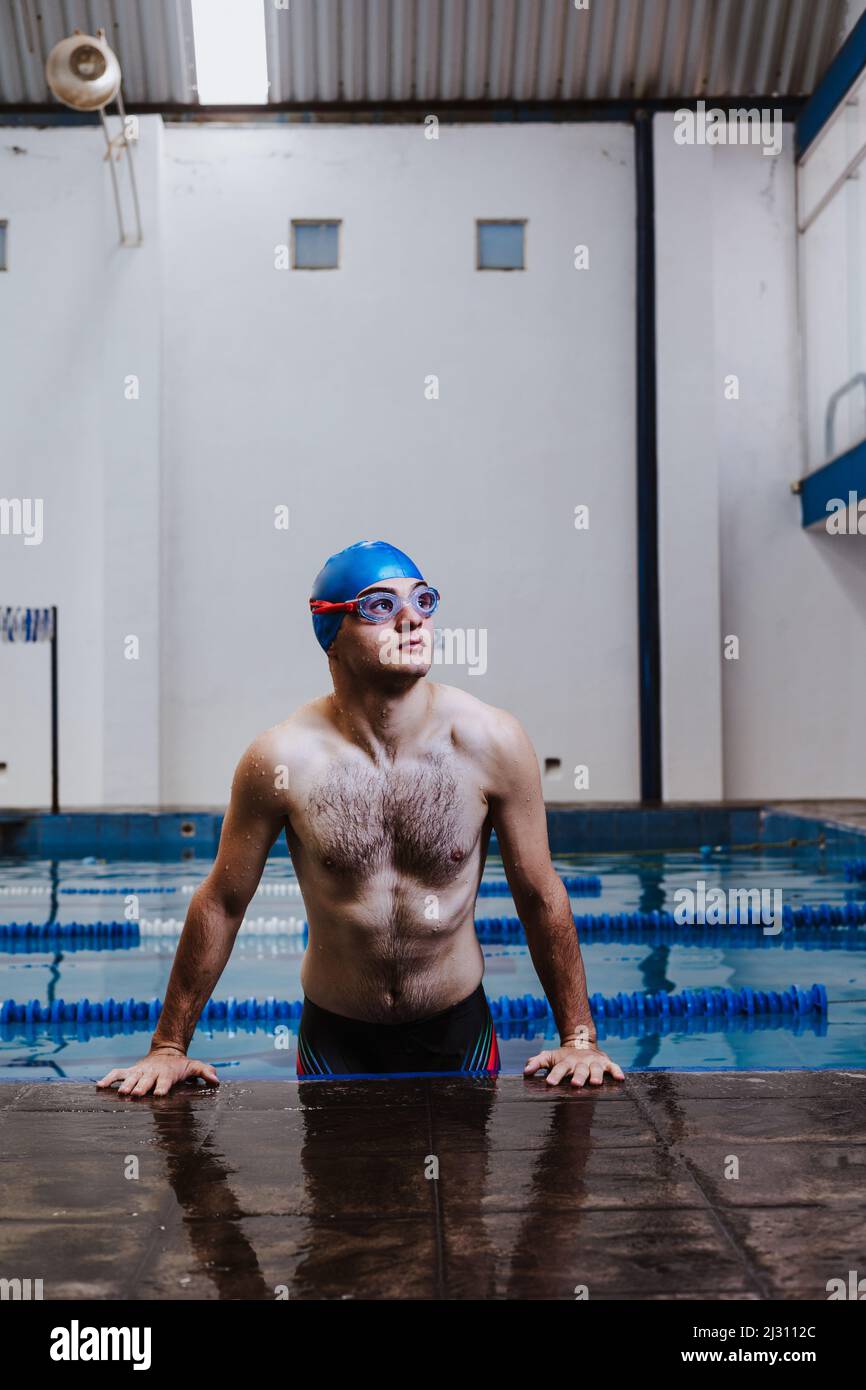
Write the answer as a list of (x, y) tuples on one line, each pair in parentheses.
[(411, 819)]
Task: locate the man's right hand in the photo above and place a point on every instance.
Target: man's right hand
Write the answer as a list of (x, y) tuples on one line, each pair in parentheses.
[(161, 1069)]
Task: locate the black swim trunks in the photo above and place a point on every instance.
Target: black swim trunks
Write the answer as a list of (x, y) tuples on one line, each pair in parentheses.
[(460, 1039)]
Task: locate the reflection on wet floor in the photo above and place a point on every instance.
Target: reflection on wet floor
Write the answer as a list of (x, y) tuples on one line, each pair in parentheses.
[(429, 1189)]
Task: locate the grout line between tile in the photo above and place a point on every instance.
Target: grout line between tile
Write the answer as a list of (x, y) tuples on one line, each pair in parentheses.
[(437, 1205), (716, 1216)]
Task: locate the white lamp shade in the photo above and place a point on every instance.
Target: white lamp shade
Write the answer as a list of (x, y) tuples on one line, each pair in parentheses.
[(83, 72)]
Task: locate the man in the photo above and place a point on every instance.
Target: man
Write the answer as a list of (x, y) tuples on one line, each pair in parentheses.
[(387, 791)]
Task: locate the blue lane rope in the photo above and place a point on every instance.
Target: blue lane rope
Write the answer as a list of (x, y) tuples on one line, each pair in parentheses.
[(508, 931), (848, 914), (44, 943), (585, 884), (104, 934), (494, 929), (744, 938), (660, 1025), (124, 892), (691, 1002), (59, 931), (579, 884), (688, 1003)]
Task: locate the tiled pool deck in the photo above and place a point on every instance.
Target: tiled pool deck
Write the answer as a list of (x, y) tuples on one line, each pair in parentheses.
[(326, 1190)]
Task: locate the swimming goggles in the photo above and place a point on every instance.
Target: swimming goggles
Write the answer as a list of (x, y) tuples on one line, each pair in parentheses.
[(380, 605)]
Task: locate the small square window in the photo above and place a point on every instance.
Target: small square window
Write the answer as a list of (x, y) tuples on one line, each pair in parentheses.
[(315, 245), (502, 245), (3, 239)]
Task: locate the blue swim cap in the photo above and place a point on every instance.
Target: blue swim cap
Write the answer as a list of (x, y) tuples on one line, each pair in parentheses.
[(357, 567)]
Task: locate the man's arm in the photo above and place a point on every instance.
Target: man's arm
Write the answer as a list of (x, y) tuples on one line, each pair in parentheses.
[(518, 816), (251, 825)]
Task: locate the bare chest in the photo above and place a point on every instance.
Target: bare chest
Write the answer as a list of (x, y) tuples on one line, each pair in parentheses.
[(422, 819)]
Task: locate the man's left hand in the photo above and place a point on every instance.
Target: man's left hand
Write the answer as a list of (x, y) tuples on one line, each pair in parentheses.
[(582, 1064)]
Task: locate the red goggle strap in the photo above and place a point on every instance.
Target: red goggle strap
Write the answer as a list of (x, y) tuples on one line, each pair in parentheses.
[(321, 605)]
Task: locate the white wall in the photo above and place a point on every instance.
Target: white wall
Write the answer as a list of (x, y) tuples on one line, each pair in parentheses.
[(792, 703), (688, 482), (77, 314), (308, 389)]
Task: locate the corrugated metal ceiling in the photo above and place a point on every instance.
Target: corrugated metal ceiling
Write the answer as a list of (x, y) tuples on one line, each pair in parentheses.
[(464, 51)]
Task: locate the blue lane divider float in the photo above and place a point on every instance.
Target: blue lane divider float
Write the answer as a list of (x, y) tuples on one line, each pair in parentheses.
[(123, 892), (508, 931), (855, 870), (692, 1002), (579, 884), (50, 938), (145, 1011), (688, 1003), (125, 934), (633, 1026), (820, 915), (35, 939), (67, 945), (54, 931), (848, 914)]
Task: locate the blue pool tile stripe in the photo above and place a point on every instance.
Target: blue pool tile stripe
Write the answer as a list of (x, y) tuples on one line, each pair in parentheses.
[(161, 835)]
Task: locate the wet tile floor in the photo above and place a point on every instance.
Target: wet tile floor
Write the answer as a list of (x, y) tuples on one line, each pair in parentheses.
[(328, 1190)]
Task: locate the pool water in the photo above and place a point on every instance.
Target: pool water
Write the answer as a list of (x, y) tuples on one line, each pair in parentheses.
[(267, 960)]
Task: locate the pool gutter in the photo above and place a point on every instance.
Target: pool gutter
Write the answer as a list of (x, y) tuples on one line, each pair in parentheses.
[(180, 834)]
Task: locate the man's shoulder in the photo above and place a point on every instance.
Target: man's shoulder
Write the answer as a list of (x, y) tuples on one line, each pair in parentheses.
[(476, 726), (292, 740)]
